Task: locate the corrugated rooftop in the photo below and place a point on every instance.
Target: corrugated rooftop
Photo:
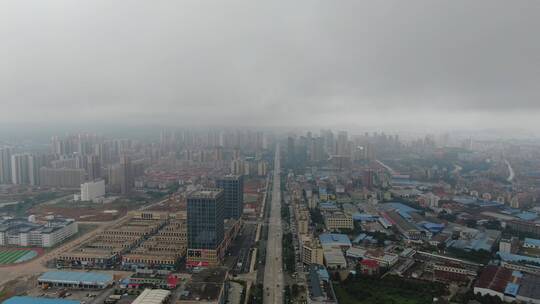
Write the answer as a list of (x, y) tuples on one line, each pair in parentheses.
[(32, 300), (76, 277)]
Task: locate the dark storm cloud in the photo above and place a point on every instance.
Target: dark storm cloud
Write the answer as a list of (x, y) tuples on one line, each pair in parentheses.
[(252, 62)]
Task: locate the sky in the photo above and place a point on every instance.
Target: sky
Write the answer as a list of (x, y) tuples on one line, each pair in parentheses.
[(453, 64)]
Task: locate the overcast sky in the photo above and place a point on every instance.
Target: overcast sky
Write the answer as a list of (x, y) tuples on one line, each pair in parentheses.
[(454, 63)]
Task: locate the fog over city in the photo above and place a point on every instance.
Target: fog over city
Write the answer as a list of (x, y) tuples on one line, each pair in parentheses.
[(269, 152), (385, 64)]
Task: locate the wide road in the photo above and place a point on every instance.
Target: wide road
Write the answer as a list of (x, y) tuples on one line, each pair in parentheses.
[(273, 270), (511, 173)]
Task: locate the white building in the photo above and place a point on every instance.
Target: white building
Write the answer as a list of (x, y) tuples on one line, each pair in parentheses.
[(19, 169), (92, 191), (153, 296), (505, 245), (430, 200), (5, 165), (20, 232), (385, 259)]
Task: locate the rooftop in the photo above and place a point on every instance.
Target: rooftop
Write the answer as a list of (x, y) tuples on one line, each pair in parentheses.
[(32, 300), (206, 193), (494, 278), (529, 287), (334, 256), (231, 177), (330, 239), (510, 257), (76, 277), (152, 296), (532, 242), (401, 208), (319, 286), (401, 222)]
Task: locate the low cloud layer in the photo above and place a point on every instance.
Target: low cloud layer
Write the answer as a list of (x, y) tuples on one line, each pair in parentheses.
[(423, 63)]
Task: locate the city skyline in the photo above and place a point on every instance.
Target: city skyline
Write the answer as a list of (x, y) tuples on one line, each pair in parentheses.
[(278, 152)]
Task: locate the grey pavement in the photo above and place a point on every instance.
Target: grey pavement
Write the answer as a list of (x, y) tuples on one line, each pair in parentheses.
[(273, 274)]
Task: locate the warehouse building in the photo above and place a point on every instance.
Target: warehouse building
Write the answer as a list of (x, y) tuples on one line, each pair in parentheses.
[(152, 296), (73, 279), (508, 285), (105, 250), (335, 240), (33, 300), (161, 251), (21, 232), (334, 259)]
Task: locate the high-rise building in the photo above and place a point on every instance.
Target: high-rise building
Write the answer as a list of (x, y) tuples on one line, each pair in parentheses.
[(329, 141), (91, 191), (205, 216), (233, 188), (66, 163), (237, 167), (262, 168), (368, 177), (64, 178), (291, 152), (126, 182), (35, 162), (5, 165), (25, 169), (93, 167), (342, 144), (20, 169), (316, 149)]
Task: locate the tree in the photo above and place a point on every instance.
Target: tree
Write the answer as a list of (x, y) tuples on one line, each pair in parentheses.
[(295, 290)]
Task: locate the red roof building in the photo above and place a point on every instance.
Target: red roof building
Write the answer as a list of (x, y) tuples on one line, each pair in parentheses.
[(369, 267)]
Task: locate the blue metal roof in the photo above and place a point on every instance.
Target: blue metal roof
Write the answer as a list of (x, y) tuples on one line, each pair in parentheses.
[(517, 274), (527, 216), (76, 277), (510, 257), (32, 300), (511, 289), (433, 227), (533, 242), (402, 209), (364, 217), (334, 238), (315, 283)]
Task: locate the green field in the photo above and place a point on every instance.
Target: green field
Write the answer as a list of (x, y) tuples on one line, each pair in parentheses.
[(388, 290), (9, 256)]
